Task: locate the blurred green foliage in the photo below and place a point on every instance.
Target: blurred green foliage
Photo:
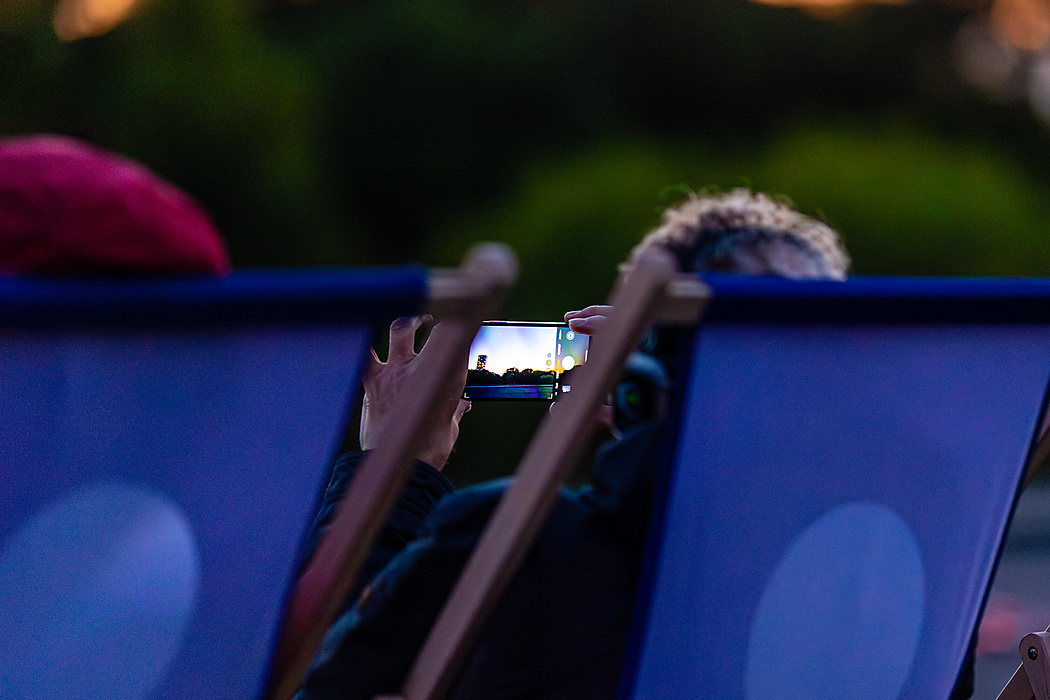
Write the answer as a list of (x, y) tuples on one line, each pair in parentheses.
[(385, 131), (906, 201), (911, 203)]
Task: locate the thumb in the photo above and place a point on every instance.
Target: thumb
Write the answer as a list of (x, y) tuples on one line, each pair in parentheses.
[(373, 366)]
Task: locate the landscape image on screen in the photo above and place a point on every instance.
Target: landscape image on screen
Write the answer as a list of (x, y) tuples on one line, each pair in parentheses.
[(516, 362)]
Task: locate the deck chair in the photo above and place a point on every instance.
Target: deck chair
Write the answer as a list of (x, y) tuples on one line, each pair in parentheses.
[(650, 290), (840, 535), (163, 448), (845, 463), (1031, 680)]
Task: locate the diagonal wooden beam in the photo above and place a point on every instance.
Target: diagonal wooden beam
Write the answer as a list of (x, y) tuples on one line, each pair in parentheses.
[(552, 453), (461, 300)]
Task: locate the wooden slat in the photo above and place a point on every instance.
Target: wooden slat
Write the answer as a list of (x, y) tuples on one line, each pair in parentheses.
[(551, 455), (476, 288), (1018, 687)]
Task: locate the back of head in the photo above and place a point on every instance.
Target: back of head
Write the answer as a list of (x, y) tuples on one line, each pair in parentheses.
[(740, 232), (68, 208), (748, 233)]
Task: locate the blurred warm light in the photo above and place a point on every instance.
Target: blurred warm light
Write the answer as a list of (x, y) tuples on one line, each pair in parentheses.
[(1023, 23), (1004, 52), (76, 19), (1039, 86), (824, 6), (988, 62)]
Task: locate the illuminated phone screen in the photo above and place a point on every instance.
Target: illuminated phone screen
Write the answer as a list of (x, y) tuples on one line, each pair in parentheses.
[(523, 360)]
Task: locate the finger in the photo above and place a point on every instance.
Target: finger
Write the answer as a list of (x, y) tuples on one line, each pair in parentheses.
[(403, 338), (594, 310), (441, 335), (374, 364), (461, 409), (441, 331), (592, 325), (371, 369)]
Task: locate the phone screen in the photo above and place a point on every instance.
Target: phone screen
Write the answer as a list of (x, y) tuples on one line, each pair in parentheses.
[(523, 360)]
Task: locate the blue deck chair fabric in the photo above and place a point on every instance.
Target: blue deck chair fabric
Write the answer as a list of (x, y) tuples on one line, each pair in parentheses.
[(163, 445), (845, 465)]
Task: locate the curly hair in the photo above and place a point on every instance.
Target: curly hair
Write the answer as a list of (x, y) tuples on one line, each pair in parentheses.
[(741, 229)]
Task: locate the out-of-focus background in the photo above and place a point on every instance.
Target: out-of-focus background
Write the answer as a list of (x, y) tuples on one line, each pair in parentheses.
[(357, 132), (384, 131), (361, 132)]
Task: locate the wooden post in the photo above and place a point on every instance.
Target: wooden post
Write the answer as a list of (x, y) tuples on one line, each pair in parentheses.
[(1019, 687), (460, 299), (551, 455), (1034, 654)]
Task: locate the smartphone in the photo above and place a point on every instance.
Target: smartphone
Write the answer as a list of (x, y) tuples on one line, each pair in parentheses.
[(523, 360)]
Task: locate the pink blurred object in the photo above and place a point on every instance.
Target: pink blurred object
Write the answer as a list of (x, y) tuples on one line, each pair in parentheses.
[(1006, 619), (1000, 630), (69, 208)]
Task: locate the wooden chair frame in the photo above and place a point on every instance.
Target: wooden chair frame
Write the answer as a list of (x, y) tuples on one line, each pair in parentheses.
[(1031, 680), (646, 293), (462, 298)]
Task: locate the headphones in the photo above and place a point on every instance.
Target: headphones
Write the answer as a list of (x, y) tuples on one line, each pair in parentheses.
[(642, 394)]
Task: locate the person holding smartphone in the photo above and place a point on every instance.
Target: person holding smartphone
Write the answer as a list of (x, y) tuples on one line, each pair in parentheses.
[(561, 629)]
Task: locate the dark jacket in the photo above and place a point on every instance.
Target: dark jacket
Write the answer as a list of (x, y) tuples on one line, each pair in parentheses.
[(561, 628), (425, 487)]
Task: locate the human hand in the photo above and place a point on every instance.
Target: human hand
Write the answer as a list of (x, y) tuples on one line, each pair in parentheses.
[(383, 380), (589, 321)]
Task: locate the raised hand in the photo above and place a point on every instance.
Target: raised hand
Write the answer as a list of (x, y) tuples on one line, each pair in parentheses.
[(383, 380), (588, 321)]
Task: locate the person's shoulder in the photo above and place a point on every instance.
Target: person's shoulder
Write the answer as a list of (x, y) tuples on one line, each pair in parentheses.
[(470, 506), (469, 509)]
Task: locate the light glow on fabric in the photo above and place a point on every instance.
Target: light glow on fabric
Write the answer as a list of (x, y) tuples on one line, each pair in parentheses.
[(854, 574), (99, 589)]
